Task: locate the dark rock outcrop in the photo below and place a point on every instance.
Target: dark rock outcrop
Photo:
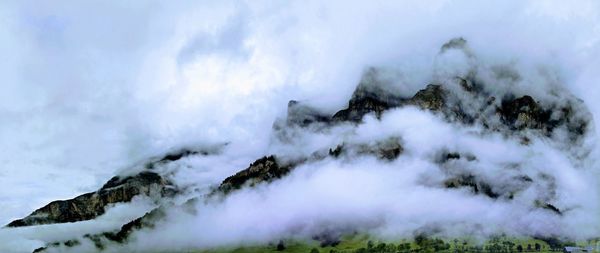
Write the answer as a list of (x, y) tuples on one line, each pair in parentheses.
[(456, 43), (182, 153), (388, 149), (91, 205), (471, 182), (527, 113), (146, 221), (68, 244), (303, 115), (361, 105), (445, 157), (264, 169), (453, 164), (430, 98), (524, 112), (548, 206), (368, 97), (364, 101), (101, 240)]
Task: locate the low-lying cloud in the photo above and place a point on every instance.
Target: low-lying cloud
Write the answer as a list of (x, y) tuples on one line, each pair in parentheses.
[(86, 97)]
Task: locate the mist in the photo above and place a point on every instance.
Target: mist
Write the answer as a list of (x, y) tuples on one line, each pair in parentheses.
[(92, 90)]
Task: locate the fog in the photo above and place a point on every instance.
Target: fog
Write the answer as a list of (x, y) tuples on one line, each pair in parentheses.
[(92, 89)]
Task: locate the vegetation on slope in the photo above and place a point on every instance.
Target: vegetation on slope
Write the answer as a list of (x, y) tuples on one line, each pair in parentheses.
[(363, 244)]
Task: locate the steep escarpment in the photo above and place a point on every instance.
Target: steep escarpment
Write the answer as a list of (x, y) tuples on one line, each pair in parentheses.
[(262, 170), (119, 189), (91, 205)]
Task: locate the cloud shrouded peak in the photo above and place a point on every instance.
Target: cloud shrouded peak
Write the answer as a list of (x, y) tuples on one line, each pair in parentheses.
[(197, 125)]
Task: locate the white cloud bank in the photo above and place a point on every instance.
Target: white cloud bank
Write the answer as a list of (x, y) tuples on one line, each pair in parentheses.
[(91, 88)]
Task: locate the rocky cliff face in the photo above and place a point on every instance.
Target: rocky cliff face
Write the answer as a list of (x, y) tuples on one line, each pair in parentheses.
[(119, 189), (263, 170), (91, 205), (513, 113)]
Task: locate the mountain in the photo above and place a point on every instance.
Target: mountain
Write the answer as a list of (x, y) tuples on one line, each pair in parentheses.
[(463, 101)]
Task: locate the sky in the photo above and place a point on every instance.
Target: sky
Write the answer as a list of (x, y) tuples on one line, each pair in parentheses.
[(91, 89)]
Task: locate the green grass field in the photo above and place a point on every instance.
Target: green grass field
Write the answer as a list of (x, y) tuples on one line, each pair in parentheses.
[(364, 244)]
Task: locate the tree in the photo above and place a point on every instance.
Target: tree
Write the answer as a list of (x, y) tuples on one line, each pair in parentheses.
[(314, 250), (369, 244), (280, 246), (520, 248)]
